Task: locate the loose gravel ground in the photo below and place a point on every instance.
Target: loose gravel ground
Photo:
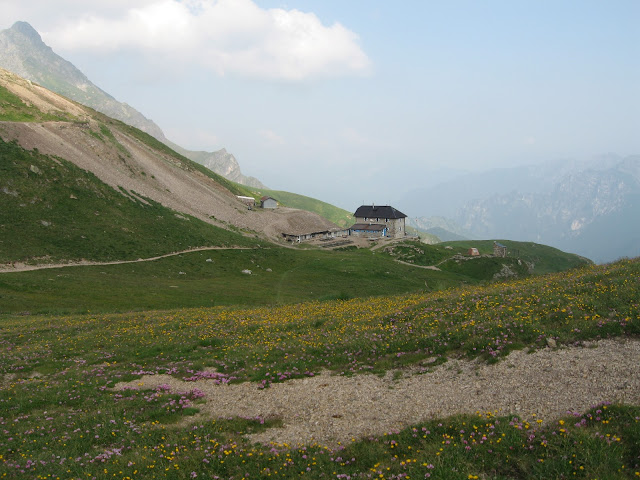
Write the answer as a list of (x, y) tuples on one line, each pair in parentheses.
[(327, 409)]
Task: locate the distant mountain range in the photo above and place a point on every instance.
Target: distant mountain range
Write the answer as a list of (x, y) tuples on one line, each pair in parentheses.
[(590, 207), (23, 52)]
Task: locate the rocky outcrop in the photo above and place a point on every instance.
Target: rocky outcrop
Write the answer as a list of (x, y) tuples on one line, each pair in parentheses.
[(223, 163)]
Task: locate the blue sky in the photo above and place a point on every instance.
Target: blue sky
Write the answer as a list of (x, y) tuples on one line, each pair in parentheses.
[(352, 101)]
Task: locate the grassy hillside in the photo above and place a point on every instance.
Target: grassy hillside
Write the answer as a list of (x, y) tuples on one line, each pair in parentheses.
[(545, 259), (523, 258), (13, 109), (58, 373), (332, 213), (201, 279), (56, 211)]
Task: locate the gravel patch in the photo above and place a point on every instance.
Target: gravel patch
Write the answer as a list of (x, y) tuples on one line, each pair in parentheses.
[(327, 409)]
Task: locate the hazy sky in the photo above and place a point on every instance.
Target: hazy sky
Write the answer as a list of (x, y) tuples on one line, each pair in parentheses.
[(357, 100)]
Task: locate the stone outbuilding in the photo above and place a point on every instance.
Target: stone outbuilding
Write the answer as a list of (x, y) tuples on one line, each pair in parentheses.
[(379, 221), (473, 252), (499, 250), (248, 201), (268, 202), (304, 235)]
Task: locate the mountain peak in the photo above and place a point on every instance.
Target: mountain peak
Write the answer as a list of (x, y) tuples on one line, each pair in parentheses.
[(26, 30)]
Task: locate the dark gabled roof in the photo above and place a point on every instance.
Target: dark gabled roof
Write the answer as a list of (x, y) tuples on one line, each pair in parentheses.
[(376, 227), (266, 197), (381, 211)]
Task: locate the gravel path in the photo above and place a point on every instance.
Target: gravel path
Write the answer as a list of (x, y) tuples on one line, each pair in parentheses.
[(23, 267), (327, 409)]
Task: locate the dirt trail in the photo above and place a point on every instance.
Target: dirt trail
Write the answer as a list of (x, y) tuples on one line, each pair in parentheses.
[(23, 267), (428, 267)]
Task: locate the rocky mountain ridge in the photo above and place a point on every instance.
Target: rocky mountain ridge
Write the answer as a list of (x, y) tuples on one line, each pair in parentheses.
[(590, 207), (221, 162), (23, 52)]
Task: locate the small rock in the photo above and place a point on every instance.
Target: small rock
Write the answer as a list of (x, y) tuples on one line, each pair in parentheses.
[(269, 270), (551, 342), (246, 271), (209, 260), (45, 223), (35, 170)]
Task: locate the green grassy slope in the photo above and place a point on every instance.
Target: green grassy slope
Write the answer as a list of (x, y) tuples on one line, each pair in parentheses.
[(200, 279), (13, 109), (545, 259), (58, 372), (523, 258), (56, 211), (189, 280), (332, 213)]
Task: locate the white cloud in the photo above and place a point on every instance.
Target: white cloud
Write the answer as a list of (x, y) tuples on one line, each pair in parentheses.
[(226, 36)]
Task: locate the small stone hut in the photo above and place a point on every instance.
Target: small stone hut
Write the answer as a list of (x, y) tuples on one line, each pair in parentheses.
[(248, 201), (499, 250), (268, 202)]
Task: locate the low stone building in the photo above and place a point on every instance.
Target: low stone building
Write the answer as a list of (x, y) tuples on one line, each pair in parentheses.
[(379, 221), (268, 202), (248, 201), (499, 250), (473, 252), (305, 235)]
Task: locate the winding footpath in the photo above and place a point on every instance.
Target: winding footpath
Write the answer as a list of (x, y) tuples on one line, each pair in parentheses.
[(23, 267)]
